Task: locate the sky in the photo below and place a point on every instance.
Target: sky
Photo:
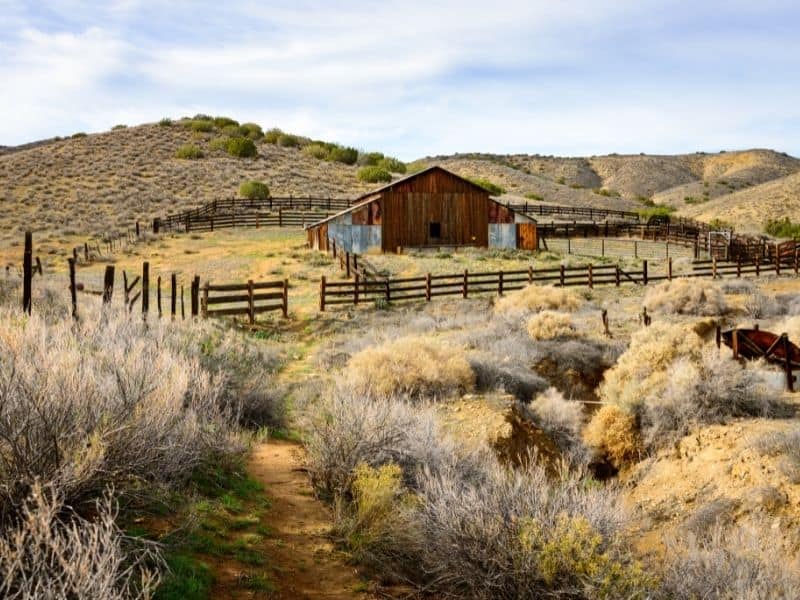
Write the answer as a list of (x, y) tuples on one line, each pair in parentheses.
[(411, 79)]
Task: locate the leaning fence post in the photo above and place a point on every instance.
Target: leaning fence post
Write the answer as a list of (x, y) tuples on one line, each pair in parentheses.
[(322, 294), (145, 287), (285, 305), (108, 284), (27, 273), (73, 291)]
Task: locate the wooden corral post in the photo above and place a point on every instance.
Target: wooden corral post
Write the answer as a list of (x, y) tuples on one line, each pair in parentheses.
[(669, 268), (530, 274), (280, 217), (251, 305), (347, 264), (735, 343), (27, 273), (787, 349), (285, 305), (500, 283), (428, 287), (355, 262), (158, 297), (714, 267), (145, 288), (355, 289), (138, 231), (465, 286), (333, 245), (616, 275), (156, 225), (173, 290), (589, 273), (739, 266), (644, 271), (73, 290), (38, 269), (388, 290), (635, 249), (758, 265), (561, 274), (204, 301), (718, 335), (603, 243), (569, 246), (108, 284), (777, 261), (322, 294), (606, 330), (195, 296), (796, 260), (86, 251), (183, 310)]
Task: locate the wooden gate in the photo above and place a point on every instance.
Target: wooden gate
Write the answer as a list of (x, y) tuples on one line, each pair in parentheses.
[(527, 238)]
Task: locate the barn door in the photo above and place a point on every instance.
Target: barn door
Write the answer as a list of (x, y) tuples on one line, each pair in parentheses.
[(526, 236)]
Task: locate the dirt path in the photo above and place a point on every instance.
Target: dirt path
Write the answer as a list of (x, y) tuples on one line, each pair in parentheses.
[(306, 565)]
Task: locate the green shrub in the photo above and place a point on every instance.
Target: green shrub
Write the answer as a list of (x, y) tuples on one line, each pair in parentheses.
[(242, 147), (490, 187), (165, 122), (694, 200), (645, 200), (225, 122), (118, 127), (219, 143), (201, 125), (605, 192), (188, 151), (782, 228), (561, 180), (416, 166), (317, 150), (370, 159), (374, 175), (532, 196), (231, 130), (272, 135), (392, 165), (576, 186), (254, 190), (718, 223), (251, 130), (80, 134), (656, 211), (343, 154), (287, 140)]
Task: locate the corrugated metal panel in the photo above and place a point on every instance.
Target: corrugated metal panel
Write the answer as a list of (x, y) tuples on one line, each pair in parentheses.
[(363, 238), (502, 235)]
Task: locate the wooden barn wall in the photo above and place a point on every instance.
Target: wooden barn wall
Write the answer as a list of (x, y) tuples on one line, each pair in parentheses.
[(460, 208)]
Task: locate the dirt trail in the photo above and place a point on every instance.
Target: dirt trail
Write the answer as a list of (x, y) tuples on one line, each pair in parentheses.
[(306, 565)]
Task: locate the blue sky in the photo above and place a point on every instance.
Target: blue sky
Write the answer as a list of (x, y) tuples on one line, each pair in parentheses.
[(415, 78)]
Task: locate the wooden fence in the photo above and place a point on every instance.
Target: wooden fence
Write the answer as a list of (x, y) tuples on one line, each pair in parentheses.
[(230, 299), (281, 218)]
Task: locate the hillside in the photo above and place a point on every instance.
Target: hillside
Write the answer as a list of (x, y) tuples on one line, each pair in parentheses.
[(90, 185), (749, 209)]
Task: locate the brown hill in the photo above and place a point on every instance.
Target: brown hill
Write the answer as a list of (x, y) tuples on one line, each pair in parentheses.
[(90, 185)]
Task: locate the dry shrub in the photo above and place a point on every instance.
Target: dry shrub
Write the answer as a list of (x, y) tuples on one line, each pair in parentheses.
[(710, 389), (52, 553), (643, 369), (613, 434), (413, 367), (790, 326), (785, 444), (741, 563), (508, 376), (550, 324), (560, 418), (106, 401), (534, 298), (686, 296)]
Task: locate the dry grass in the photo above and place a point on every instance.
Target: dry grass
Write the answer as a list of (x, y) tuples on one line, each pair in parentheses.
[(642, 370), (613, 434), (551, 324), (686, 297), (534, 298), (414, 367)]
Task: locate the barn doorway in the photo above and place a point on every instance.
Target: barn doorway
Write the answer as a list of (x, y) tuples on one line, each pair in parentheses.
[(435, 231)]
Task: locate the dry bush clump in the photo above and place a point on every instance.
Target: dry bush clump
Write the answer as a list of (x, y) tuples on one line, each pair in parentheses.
[(413, 367), (785, 444), (642, 370), (550, 324), (729, 562), (47, 554), (103, 401), (686, 297), (790, 326), (534, 298), (613, 434), (560, 418), (506, 375)]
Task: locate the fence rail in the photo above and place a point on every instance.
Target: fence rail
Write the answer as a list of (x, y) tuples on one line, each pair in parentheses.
[(230, 299)]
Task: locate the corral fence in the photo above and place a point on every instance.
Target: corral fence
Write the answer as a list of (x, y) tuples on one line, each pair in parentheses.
[(249, 299), (242, 212), (365, 288)]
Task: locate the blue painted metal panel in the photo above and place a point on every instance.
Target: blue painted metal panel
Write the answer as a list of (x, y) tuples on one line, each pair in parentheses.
[(502, 235)]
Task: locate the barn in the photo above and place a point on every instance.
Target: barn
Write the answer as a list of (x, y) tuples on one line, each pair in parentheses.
[(429, 209)]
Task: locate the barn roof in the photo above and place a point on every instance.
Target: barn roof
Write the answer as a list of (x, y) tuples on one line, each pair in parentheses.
[(371, 195)]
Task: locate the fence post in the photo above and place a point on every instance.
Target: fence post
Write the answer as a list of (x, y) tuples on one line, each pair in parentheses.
[(251, 305), (355, 262), (27, 273), (156, 225), (388, 292), (195, 296), (173, 295), (145, 287), (713, 267), (739, 266), (465, 289), (500, 283), (333, 242), (635, 249), (183, 310), (591, 279), (204, 301), (644, 271), (758, 265), (73, 290), (158, 296), (788, 362), (569, 246), (285, 305), (669, 268), (428, 287), (530, 275), (125, 287), (86, 251), (355, 289), (280, 217), (347, 266), (561, 274), (322, 294), (108, 284), (616, 275), (777, 261), (603, 244), (796, 260)]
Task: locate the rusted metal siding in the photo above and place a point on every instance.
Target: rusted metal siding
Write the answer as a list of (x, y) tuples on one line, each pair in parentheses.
[(527, 237)]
